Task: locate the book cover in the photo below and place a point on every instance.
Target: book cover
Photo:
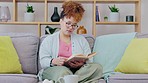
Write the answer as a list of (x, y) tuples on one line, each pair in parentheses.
[(79, 57)]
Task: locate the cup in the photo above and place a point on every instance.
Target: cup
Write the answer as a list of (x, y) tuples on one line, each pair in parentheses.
[(69, 79), (129, 18)]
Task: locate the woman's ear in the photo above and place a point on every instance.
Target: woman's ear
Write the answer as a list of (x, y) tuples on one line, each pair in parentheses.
[(60, 20)]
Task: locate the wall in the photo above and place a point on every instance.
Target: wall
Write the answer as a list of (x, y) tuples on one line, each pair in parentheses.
[(125, 9)]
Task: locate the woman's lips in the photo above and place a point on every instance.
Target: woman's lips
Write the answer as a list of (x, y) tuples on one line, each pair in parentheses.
[(69, 31)]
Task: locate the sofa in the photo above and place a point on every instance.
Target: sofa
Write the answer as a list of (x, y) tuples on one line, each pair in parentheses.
[(27, 47)]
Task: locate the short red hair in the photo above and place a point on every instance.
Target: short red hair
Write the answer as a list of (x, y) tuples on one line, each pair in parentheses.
[(72, 9)]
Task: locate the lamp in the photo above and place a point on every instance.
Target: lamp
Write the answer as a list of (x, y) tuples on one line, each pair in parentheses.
[(4, 13)]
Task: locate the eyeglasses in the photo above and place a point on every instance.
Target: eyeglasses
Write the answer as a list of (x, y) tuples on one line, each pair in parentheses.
[(69, 24)]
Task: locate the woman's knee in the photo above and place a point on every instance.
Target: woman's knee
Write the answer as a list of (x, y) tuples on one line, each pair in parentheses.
[(98, 66), (64, 70), (49, 72)]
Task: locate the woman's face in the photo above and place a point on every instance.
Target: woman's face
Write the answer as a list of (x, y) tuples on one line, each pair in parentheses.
[(68, 25)]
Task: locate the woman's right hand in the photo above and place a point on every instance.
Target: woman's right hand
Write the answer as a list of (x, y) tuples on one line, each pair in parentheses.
[(59, 61)]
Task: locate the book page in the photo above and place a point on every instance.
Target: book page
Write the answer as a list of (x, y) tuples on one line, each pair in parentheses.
[(79, 57)]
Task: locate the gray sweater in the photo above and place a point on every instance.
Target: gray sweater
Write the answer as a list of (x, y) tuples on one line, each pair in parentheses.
[(50, 47)]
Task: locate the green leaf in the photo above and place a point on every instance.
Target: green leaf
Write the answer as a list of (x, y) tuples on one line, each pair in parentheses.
[(30, 9), (113, 8)]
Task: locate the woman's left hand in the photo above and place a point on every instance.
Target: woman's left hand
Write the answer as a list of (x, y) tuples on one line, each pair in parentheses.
[(76, 63)]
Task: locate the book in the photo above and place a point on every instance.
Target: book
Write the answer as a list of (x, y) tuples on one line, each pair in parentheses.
[(79, 57), (97, 14)]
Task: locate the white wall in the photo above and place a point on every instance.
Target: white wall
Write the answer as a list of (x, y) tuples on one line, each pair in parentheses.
[(144, 16), (125, 9)]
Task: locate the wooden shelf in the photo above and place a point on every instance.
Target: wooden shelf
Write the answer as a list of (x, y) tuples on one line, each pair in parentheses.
[(31, 23), (30, 1), (117, 23), (137, 15), (117, 1), (55, 1), (6, 0), (50, 23), (60, 1), (57, 23), (137, 12), (20, 23)]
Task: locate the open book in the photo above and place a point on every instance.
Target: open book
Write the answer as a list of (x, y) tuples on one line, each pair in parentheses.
[(79, 57)]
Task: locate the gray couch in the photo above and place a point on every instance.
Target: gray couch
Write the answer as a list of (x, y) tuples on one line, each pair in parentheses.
[(27, 48)]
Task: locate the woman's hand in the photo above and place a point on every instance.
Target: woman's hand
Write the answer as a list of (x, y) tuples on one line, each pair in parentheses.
[(59, 61), (76, 63)]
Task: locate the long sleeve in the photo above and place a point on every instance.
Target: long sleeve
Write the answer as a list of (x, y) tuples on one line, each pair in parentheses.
[(49, 49), (45, 53)]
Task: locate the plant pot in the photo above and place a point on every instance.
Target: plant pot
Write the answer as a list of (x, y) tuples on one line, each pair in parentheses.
[(114, 17), (29, 17)]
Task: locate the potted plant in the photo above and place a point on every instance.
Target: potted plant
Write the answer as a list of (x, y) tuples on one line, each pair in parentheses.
[(114, 15), (29, 15), (105, 18)]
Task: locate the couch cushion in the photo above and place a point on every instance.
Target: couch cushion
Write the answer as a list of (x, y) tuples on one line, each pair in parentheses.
[(129, 78), (9, 61), (27, 47), (110, 49), (142, 35), (135, 58), (18, 78), (90, 40)]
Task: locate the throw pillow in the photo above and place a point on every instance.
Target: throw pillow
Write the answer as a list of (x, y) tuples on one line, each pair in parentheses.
[(110, 49), (9, 61), (135, 58)]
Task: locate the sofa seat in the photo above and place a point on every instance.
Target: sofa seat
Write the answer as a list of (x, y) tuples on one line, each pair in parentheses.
[(18, 78), (129, 78)]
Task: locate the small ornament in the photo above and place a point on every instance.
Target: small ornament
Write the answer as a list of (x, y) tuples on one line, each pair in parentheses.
[(81, 30)]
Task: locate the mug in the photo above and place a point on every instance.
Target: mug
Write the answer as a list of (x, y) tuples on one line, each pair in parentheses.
[(129, 18), (69, 79)]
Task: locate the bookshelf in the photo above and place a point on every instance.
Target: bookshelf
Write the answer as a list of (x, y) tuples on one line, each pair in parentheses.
[(136, 23)]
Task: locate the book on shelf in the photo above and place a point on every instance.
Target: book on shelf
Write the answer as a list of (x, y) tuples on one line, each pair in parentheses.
[(79, 57), (97, 14)]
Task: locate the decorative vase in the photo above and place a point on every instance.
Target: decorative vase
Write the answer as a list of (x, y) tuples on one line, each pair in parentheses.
[(81, 30), (4, 13), (29, 17), (114, 17), (55, 17)]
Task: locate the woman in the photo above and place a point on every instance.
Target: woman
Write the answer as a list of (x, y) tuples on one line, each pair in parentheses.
[(56, 48)]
